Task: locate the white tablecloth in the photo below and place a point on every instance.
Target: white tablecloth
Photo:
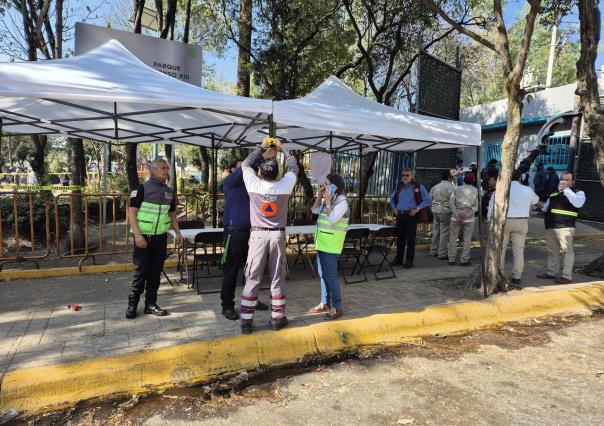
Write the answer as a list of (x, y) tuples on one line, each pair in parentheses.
[(290, 230)]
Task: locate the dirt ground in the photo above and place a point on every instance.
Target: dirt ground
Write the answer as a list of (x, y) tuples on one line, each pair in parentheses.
[(539, 372)]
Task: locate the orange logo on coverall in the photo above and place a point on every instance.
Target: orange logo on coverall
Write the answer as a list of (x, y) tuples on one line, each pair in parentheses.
[(268, 209)]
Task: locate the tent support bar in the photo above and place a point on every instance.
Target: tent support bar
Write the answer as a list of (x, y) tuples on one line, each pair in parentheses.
[(480, 220), (361, 189), (271, 127), (245, 129), (214, 182), (115, 128)]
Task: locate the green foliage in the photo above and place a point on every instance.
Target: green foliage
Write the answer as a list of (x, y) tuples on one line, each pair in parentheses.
[(207, 29), (116, 183), (199, 204), (483, 77), (567, 50), (23, 217), (297, 44)]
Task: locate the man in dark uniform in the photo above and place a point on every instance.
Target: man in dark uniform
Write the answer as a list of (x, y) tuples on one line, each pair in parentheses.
[(237, 229), (151, 214)]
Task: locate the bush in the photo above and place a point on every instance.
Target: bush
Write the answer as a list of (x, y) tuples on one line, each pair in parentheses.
[(38, 212), (116, 183)]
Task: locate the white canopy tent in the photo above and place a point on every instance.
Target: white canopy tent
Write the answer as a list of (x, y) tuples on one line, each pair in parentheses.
[(334, 118), (108, 94)]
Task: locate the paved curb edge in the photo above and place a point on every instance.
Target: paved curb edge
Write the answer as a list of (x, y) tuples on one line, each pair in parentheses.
[(171, 263), (35, 389)]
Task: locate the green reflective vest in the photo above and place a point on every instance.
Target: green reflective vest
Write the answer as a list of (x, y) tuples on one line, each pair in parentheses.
[(153, 215), (560, 212), (329, 237), (153, 219)]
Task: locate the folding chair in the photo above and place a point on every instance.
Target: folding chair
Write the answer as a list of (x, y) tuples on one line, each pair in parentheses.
[(381, 244), (185, 251), (354, 247), (301, 244), (207, 250)]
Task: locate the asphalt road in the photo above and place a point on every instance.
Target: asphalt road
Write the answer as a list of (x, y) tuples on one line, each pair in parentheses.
[(548, 372)]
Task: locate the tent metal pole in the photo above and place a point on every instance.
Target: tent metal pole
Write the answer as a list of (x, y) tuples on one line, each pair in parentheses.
[(272, 131), (361, 192), (1, 140), (480, 223), (214, 182)]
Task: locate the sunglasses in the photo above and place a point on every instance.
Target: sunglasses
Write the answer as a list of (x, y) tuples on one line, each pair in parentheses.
[(406, 175)]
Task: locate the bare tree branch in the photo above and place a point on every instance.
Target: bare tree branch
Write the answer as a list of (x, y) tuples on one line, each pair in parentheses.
[(429, 4), (525, 43)]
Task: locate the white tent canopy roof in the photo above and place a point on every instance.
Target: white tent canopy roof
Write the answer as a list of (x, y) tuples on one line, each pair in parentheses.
[(334, 117), (108, 94)]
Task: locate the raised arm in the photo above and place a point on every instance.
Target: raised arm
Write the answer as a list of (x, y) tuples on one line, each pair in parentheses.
[(292, 166), (577, 199)]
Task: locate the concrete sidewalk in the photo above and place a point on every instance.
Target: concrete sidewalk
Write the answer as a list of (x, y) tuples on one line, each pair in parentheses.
[(37, 328)]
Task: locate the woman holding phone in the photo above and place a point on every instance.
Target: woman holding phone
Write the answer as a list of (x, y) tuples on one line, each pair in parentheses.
[(331, 205)]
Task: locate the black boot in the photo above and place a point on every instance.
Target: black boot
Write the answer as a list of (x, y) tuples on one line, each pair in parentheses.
[(132, 305), (155, 310)]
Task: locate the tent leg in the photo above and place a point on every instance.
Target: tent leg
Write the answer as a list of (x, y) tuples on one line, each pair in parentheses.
[(271, 127), (1, 139), (361, 191), (214, 183), (482, 242)]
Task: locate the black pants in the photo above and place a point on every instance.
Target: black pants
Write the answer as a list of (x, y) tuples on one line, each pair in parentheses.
[(407, 229), (148, 264), (235, 259)]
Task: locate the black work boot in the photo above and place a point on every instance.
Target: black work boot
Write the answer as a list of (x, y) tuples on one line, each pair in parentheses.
[(132, 305), (279, 324), (152, 308), (230, 314)]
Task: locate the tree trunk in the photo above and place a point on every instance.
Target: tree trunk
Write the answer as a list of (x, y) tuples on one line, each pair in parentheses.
[(204, 158), (187, 25), (367, 162), (77, 161), (58, 29), (131, 170), (139, 6), (131, 148), (587, 89), (170, 152), (37, 156), (245, 46), (159, 9), (304, 182), (170, 19), (493, 276)]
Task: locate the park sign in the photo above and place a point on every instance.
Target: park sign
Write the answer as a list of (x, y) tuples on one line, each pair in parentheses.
[(179, 60)]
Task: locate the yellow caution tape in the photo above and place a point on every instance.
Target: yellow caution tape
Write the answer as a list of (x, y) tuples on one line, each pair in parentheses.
[(40, 187)]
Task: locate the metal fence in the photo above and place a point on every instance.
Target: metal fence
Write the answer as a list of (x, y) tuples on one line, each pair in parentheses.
[(39, 229)]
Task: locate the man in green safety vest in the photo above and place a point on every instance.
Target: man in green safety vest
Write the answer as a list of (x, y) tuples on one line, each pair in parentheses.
[(151, 214), (561, 212)]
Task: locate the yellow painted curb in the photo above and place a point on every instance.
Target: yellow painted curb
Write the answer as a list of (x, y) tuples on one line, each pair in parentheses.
[(35, 389), (71, 271)]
